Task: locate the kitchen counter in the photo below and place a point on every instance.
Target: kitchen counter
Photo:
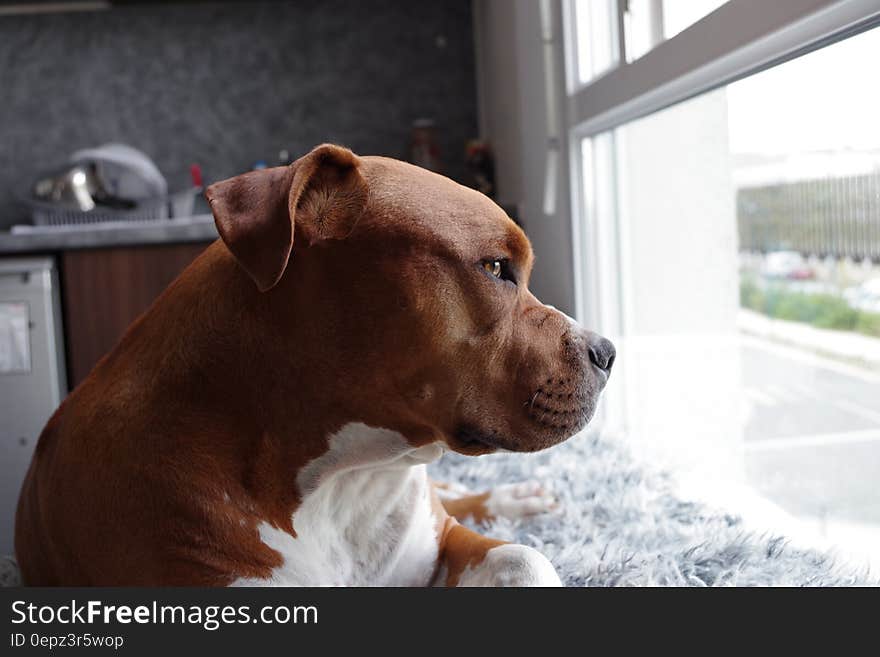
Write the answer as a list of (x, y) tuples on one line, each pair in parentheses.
[(199, 228)]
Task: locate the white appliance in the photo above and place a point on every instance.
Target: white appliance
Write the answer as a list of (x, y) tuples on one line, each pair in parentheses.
[(32, 374)]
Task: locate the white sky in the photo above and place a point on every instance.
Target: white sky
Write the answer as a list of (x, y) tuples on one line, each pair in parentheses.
[(679, 14), (829, 99)]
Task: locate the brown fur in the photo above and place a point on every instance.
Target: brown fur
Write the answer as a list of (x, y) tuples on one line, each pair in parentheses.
[(158, 468), (469, 506), (463, 548)]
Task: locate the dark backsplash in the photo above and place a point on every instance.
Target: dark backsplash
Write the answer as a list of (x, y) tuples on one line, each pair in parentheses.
[(228, 84)]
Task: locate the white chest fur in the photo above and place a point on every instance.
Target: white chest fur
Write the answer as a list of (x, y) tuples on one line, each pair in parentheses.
[(365, 519)]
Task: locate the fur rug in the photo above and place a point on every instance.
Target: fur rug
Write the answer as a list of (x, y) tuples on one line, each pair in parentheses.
[(621, 524), (8, 572)]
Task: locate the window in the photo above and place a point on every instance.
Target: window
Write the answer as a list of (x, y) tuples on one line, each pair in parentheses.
[(595, 22), (649, 22), (728, 238)]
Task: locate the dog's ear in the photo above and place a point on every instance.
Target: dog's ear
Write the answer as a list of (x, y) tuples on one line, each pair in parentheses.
[(259, 214)]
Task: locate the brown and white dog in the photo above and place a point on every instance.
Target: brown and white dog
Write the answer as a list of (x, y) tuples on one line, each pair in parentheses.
[(269, 418)]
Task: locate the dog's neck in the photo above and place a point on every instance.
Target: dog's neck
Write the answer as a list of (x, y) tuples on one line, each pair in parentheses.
[(234, 388)]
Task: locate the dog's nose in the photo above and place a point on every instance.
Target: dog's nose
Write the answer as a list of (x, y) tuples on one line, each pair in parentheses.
[(602, 353)]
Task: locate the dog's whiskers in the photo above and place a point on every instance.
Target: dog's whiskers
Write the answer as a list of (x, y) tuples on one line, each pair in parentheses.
[(531, 404)]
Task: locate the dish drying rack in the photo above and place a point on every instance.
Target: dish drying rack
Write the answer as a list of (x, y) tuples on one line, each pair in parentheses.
[(173, 206)]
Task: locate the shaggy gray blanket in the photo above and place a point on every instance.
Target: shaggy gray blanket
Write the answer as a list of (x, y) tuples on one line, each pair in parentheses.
[(621, 524)]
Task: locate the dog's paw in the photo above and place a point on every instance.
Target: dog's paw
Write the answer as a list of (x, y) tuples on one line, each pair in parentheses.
[(512, 565), (451, 490), (519, 500)]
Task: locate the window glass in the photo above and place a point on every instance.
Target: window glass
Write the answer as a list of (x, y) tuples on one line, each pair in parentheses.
[(745, 266), (649, 22), (595, 23)]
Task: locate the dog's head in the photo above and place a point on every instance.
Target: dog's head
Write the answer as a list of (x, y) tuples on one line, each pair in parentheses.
[(416, 290)]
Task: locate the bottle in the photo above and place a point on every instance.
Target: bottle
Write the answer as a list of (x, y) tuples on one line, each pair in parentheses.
[(480, 166), (424, 151)]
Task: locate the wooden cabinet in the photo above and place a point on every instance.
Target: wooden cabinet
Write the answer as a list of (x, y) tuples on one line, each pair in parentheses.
[(104, 290)]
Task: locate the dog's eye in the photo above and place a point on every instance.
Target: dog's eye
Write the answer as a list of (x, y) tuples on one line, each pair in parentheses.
[(499, 268)]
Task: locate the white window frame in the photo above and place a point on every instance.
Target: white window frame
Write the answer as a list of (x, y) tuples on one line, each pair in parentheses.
[(738, 39)]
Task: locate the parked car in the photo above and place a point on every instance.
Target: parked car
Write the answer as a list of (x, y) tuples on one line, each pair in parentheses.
[(787, 264), (865, 297)]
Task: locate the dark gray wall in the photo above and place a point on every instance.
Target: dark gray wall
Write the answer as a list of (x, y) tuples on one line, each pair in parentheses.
[(227, 84)]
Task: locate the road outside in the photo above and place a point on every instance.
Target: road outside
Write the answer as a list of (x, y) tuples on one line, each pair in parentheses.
[(800, 396), (812, 441)]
